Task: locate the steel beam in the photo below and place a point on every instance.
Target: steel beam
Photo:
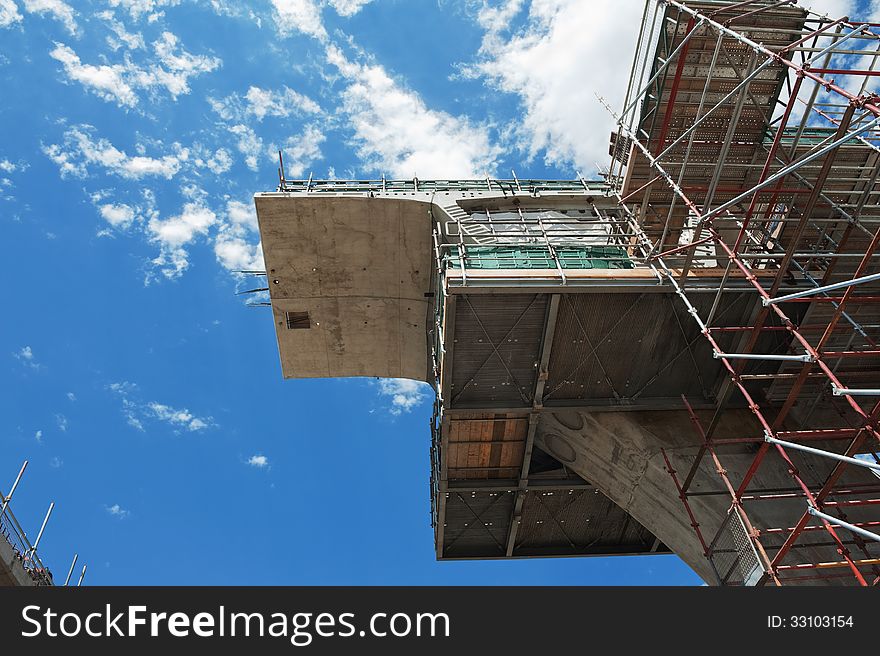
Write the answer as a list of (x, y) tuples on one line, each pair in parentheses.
[(537, 403)]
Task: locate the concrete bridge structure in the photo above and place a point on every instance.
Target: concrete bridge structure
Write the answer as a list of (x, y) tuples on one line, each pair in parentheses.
[(679, 357)]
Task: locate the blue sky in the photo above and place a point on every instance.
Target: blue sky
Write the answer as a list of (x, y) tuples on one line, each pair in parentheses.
[(146, 396)]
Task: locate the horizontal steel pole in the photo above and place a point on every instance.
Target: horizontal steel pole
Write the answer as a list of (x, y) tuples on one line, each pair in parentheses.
[(819, 290), (846, 525), (845, 391), (827, 454), (759, 356)]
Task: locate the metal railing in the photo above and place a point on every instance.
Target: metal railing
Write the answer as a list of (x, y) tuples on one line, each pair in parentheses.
[(491, 185), (25, 552)]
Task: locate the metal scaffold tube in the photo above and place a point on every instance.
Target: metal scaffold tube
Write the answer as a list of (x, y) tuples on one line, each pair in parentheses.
[(774, 204)]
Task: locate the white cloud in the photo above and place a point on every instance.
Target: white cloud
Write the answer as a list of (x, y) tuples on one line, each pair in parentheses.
[(299, 16), (61, 421), (235, 9), (174, 233), (135, 411), (81, 149), (544, 64), (183, 418), (123, 388), (242, 215), (218, 162), (221, 162), (302, 150), (7, 166), (236, 254), (258, 461), (495, 19), (179, 230), (38, 436), (118, 215), (265, 102), (249, 145), (231, 246), (56, 462), (170, 68), (9, 14), (117, 511), (396, 132), (260, 103), (404, 394), (121, 37), (348, 7), (174, 68), (833, 8), (305, 15), (107, 82), (138, 8), (71, 396), (128, 411), (233, 232), (26, 356), (57, 9)]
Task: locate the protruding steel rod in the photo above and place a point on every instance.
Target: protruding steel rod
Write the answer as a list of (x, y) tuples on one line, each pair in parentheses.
[(843, 524), (42, 528), (81, 576), (70, 571), (827, 454), (8, 497), (846, 391), (761, 356), (819, 290)]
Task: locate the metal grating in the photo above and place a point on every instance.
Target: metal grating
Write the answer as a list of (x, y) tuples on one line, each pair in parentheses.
[(476, 524), (734, 557), (578, 522), (496, 344), (626, 347)]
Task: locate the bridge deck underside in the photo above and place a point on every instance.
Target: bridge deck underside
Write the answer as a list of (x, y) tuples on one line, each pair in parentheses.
[(566, 460)]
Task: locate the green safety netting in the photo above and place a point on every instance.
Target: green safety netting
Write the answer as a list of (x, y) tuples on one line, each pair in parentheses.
[(539, 257)]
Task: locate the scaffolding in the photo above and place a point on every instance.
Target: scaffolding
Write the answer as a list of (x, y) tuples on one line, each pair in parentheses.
[(749, 141)]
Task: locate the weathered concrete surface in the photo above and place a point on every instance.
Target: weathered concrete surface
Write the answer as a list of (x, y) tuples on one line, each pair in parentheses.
[(361, 268), (12, 572), (620, 453)]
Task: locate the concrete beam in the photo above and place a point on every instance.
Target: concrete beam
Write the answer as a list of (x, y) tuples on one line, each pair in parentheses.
[(12, 572)]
